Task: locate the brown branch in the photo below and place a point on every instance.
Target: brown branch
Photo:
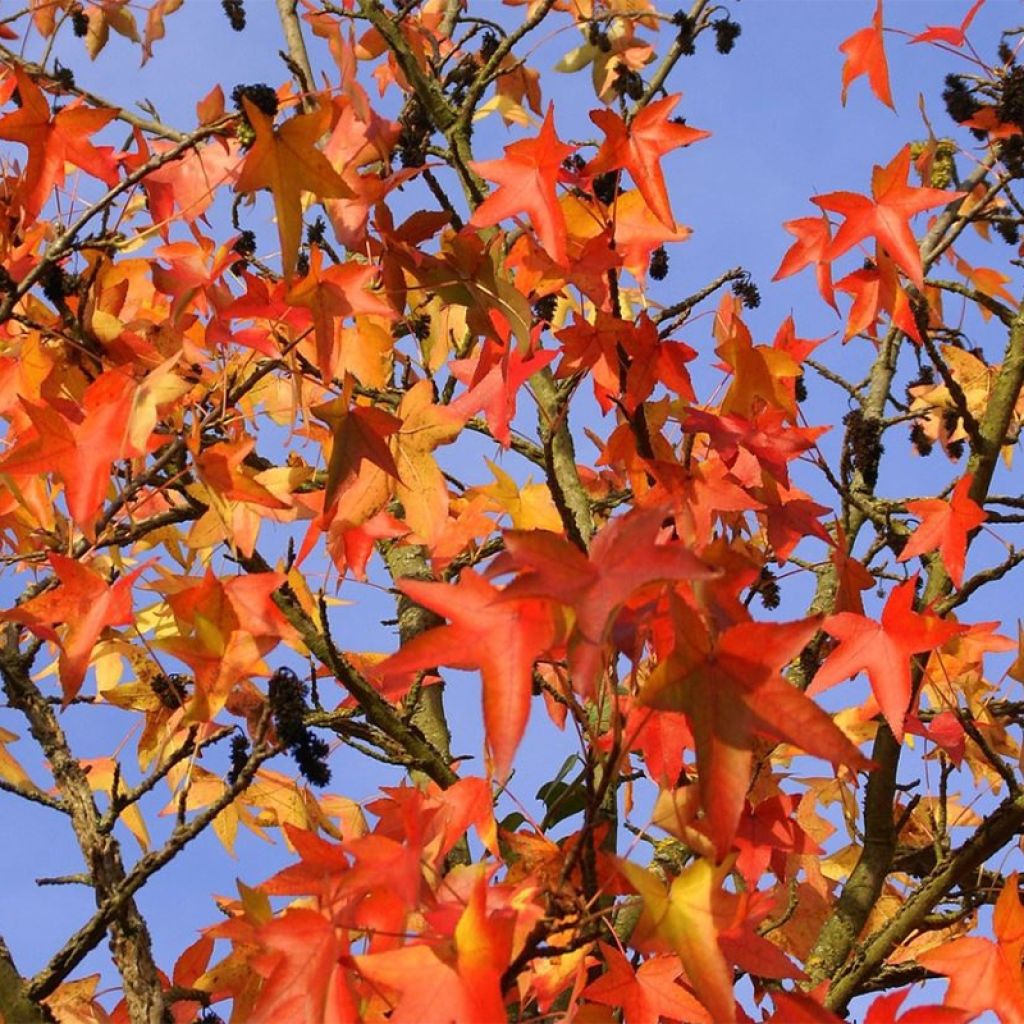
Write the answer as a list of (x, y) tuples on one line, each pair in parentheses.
[(88, 936), (129, 936)]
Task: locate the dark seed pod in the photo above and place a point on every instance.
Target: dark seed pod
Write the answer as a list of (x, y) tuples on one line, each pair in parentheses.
[(768, 589), (235, 11), (658, 268), (239, 755), (922, 443), (79, 21), (488, 46), (606, 187), (961, 104), (261, 96), (245, 244), (727, 32), (544, 309), (172, 690), (747, 292)]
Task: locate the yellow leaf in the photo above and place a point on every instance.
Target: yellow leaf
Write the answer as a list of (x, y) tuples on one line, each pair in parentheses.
[(288, 163)]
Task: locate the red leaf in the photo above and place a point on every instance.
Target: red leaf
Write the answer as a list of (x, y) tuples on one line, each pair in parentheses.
[(813, 239), (883, 1011), (731, 690), (489, 631), (887, 215), (639, 145), (951, 35), (307, 977), (945, 525), (865, 55), (985, 975), (646, 994), (624, 556), (883, 650), (87, 604), (526, 176), (53, 142)]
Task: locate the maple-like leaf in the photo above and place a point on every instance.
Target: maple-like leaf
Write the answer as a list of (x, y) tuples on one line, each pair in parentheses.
[(813, 240), (885, 1007), (526, 176), (286, 161), (339, 291), (886, 216), (883, 650), (986, 975), (637, 146), (688, 917), (307, 980), (500, 636), (54, 141), (648, 993), (85, 604), (865, 55), (945, 525), (951, 35), (731, 689), (494, 376), (624, 556)]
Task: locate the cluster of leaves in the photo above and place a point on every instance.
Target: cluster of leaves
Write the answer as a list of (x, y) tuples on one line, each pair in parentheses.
[(171, 551)]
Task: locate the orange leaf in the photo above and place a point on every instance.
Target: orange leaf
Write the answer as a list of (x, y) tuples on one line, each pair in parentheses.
[(688, 917), (526, 176), (53, 142), (883, 650), (945, 525), (865, 55), (985, 975), (638, 146), (886, 216), (87, 604), (499, 636), (287, 162)]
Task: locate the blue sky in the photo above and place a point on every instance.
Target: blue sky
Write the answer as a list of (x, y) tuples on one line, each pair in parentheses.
[(779, 135)]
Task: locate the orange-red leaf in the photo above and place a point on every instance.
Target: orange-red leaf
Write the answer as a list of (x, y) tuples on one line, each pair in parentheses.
[(87, 604), (985, 975), (945, 525), (526, 176), (500, 636), (52, 142), (639, 145), (883, 650), (886, 216), (865, 55)]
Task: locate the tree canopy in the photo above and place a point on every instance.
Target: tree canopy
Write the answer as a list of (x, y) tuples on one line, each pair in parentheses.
[(413, 329)]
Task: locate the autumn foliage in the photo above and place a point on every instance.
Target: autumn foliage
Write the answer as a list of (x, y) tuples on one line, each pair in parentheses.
[(328, 339)]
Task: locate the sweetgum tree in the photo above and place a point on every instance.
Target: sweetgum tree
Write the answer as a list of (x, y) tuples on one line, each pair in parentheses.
[(248, 359)]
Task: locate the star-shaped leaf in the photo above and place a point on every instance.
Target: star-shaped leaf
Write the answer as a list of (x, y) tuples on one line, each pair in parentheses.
[(54, 141), (985, 975), (886, 216), (85, 604), (730, 688), (286, 161), (865, 55), (526, 176), (883, 650), (500, 636), (639, 145), (945, 525), (648, 993)]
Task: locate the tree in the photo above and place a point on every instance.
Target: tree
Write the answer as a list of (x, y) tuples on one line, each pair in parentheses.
[(252, 357)]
